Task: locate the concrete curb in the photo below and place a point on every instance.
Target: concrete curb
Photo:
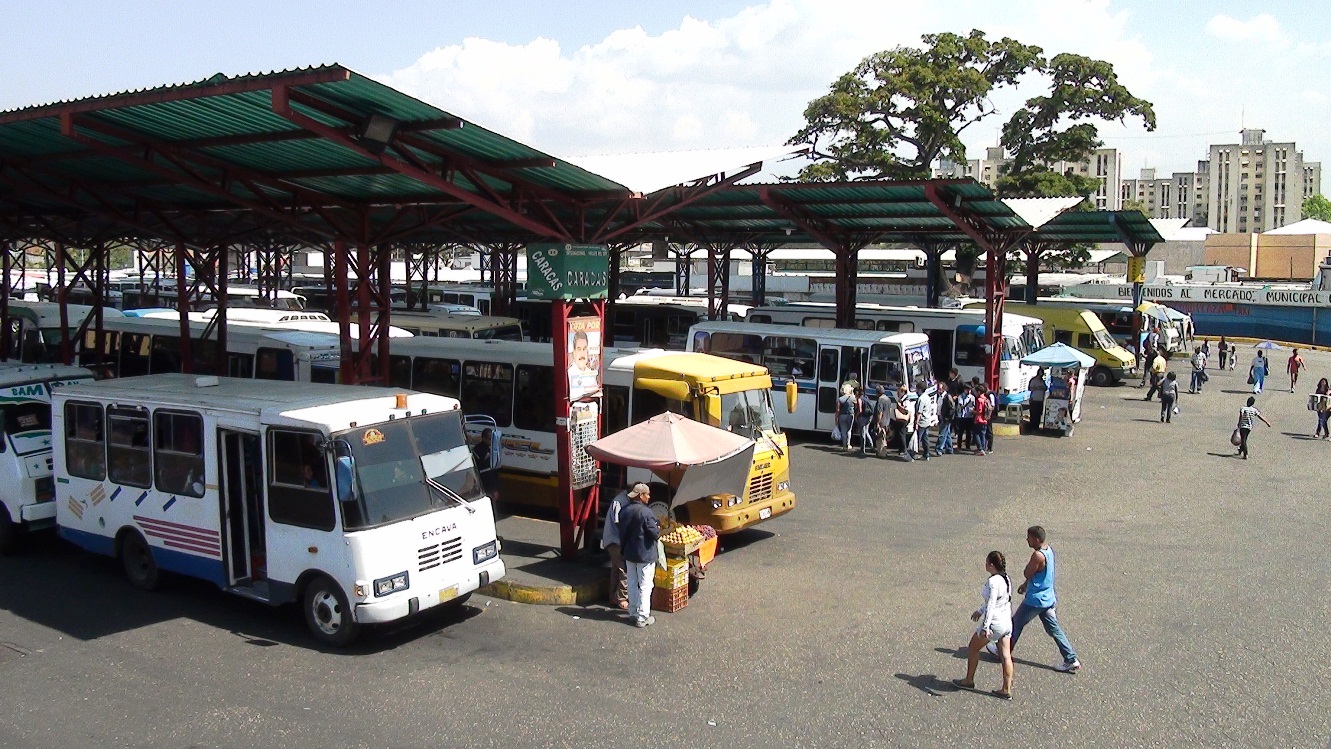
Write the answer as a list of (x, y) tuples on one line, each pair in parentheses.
[(548, 595)]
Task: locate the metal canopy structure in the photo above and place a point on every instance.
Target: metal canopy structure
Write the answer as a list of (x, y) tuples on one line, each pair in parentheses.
[(321, 157)]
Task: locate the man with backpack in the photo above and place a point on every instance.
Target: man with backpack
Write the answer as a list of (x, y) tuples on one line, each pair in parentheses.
[(979, 436), (926, 415), (965, 423)]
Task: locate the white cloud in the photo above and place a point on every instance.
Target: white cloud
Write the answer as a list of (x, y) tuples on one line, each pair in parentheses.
[(1262, 27), (744, 80)]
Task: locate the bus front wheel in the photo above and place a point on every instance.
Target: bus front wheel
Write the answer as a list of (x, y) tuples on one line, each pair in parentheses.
[(327, 613), (8, 533), (137, 559), (1102, 377)]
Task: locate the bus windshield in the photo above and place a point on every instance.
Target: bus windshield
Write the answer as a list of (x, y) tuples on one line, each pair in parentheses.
[(28, 426), (748, 410), (393, 461), (1103, 340)]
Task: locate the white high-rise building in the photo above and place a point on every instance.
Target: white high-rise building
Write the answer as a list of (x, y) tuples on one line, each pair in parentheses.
[(1257, 185)]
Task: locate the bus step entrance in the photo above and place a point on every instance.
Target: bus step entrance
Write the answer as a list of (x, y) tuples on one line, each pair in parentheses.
[(257, 590)]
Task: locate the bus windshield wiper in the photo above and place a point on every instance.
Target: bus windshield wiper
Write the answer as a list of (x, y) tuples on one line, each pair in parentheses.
[(449, 493)]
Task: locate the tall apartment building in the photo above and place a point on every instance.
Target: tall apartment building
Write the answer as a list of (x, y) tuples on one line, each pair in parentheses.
[(1103, 165), (1257, 185), (1156, 194)]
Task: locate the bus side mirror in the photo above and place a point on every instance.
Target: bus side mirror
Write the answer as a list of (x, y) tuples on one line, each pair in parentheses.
[(346, 485), (792, 396)]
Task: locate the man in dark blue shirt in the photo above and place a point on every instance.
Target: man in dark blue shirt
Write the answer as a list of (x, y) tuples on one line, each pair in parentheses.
[(638, 532)]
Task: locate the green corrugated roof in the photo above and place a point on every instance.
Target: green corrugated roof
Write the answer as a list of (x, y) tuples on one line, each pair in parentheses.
[(1099, 227)]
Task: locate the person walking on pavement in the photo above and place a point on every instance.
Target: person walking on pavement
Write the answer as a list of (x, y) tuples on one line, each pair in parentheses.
[(610, 541), (926, 415), (1294, 366), (1224, 352), (965, 418), (954, 382), (947, 416), (1158, 367), (1168, 397), (1257, 373), (1321, 404), (1039, 389), (980, 432), (995, 618), (882, 417), (864, 419), (638, 533), (903, 419), (1246, 416), (847, 409), (1198, 371), (1040, 599)]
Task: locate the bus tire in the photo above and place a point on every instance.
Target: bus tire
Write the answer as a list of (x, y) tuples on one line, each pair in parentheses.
[(8, 533), (1102, 377), (136, 557), (328, 616)]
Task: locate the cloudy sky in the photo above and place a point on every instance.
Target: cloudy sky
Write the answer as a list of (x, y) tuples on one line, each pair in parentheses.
[(581, 77)]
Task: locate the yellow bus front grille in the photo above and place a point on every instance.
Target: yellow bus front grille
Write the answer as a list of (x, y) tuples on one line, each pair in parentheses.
[(760, 487)]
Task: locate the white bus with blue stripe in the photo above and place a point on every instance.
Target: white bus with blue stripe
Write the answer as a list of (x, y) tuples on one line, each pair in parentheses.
[(363, 508), (27, 490)]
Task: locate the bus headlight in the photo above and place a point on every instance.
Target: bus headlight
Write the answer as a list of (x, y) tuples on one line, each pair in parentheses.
[(484, 552), (391, 584), (783, 486), (716, 504)]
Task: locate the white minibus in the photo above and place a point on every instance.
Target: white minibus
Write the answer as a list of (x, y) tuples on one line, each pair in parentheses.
[(362, 507)]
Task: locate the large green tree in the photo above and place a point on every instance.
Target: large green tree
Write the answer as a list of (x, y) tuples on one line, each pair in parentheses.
[(901, 110), (1318, 207), (1060, 126)]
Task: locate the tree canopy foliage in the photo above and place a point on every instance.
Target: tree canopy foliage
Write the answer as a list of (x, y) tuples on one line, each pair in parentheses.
[(1318, 207), (900, 111)]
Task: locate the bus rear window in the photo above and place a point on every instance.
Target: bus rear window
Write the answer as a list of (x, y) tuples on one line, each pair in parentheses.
[(487, 388)]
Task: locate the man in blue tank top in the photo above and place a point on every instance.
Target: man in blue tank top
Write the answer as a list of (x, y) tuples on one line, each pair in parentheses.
[(1040, 599)]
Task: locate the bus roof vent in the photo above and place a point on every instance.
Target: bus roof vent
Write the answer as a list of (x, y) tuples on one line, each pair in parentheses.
[(206, 382)]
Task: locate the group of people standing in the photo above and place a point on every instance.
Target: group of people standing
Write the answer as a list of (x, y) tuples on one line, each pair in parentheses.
[(1000, 628), (961, 411)]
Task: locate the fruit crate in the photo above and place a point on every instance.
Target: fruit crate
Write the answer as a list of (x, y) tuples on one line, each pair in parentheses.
[(675, 574), (681, 551), (671, 600), (707, 551)]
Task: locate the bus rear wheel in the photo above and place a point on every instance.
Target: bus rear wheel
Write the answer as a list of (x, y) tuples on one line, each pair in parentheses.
[(8, 533), (137, 559), (327, 613)]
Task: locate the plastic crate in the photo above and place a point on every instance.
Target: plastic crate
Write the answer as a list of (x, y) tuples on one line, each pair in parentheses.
[(707, 551), (670, 600), (675, 575)]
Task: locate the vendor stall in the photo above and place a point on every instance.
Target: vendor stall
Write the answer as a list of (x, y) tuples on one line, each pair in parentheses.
[(1064, 369), (690, 460)]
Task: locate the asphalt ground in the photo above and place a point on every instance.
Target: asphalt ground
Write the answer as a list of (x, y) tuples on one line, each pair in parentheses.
[(1193, 585)]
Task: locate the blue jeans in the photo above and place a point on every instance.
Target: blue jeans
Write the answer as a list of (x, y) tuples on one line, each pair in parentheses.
[(1196, 380), (944, 437), (980, 437), (922, 440), (1023, 616)]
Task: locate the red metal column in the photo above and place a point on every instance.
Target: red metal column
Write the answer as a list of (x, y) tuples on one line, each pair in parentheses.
[(384, 273), (219, 289), (339, 264), (363, 303), (62, 298), (504, 271), (568, 543), (995, 287), (718, 280)]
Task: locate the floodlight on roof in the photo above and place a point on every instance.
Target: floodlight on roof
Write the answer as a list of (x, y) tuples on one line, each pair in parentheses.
[(377, 132)]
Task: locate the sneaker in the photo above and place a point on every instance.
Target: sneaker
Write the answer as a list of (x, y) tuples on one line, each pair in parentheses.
[(640, 622), (1069, 668), (650, 620)]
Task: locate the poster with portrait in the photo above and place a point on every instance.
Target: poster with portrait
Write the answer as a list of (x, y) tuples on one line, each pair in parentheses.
[(583, 341)]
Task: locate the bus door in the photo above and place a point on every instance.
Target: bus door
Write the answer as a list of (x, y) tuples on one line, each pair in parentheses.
[(829, 386), (241, 494)]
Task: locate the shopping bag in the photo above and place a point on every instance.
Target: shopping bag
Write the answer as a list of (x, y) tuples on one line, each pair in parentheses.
[(1175, 409), (1252, 377), (1205, 377), (836, 433), (1235, 439), (660, 555)]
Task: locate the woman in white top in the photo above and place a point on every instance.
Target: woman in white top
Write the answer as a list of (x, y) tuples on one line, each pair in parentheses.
[(995, 618)]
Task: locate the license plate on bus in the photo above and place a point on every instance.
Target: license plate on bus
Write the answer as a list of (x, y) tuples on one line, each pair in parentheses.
[(448, 594), (765, 513)]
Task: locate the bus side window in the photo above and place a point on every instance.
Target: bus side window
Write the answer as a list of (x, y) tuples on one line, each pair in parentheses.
[(178, 453), (1086, 341), (298, 491), (487, 388), (702, 342), (274, 364), (764, 319), (616, 404), (828, 361), (885, 366), (647, 404), (85, 454), (1063, 336), (134, 355), (790, 357), (969, 348), (239, 365), (164, 355), (399, 371), (534, 406), (436, 376), (128, 449), (202, 352)]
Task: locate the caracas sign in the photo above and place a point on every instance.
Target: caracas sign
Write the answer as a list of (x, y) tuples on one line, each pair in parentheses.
[(567, 271)]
